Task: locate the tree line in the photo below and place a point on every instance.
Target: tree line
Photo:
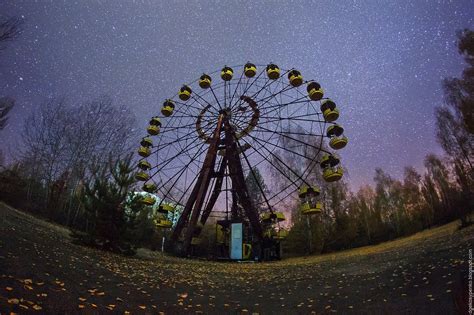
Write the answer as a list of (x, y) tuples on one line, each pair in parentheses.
[(394, 208)]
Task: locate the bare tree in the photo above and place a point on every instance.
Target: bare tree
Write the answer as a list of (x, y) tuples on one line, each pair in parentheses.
[(455, 129), (389, 201), (6, 105), (65, 140), (363, 208), (9, 30), (455, 119), (466, 103), (455, 140)]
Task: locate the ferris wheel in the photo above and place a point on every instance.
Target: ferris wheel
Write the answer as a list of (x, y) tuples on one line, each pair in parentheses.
[(221, 128)]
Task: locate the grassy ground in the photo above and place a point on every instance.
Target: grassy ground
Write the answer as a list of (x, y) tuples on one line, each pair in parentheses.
[(40, 269)]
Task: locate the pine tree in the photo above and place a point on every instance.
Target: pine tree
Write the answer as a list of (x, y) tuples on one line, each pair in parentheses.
[(111, 207)]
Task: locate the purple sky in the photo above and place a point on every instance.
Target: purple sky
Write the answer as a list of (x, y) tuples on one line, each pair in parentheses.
[(382, 63)]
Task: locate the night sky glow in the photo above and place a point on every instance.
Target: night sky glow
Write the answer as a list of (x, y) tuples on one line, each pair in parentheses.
[(382, 63)]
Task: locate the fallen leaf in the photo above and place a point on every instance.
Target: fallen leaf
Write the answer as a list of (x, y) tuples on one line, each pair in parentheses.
[(37, 307)]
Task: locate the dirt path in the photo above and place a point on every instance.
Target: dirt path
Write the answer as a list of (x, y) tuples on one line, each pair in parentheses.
[(40, 269)]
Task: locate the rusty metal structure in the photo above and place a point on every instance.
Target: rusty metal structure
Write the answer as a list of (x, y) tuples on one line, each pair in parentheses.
[(231, 160)]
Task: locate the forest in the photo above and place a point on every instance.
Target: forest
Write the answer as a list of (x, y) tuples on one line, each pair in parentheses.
[(79, 173)]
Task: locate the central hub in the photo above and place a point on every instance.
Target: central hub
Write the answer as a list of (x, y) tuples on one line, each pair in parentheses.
[(227, 112), (243, 118)]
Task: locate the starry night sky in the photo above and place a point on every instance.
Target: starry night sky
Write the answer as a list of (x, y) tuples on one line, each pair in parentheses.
[(382, 63)]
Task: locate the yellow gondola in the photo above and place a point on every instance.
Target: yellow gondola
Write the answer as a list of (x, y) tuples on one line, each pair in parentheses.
[(295, 78), (272, 217), (149, 187), (144, 165), (273, 72), (334, 131), (146, 142), (149, 201), (329, 160), (142, 176), (338, 143), (332, 174), (168, 108), (315, 92), (329, 110), (153, 130), (227, 73), (144, 151), (274, 234), (250, 70), (163, 223), (184, 93), (281, 234), (311, 208), (165, 208), (205, 81), (155, 121), (306, 190)]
